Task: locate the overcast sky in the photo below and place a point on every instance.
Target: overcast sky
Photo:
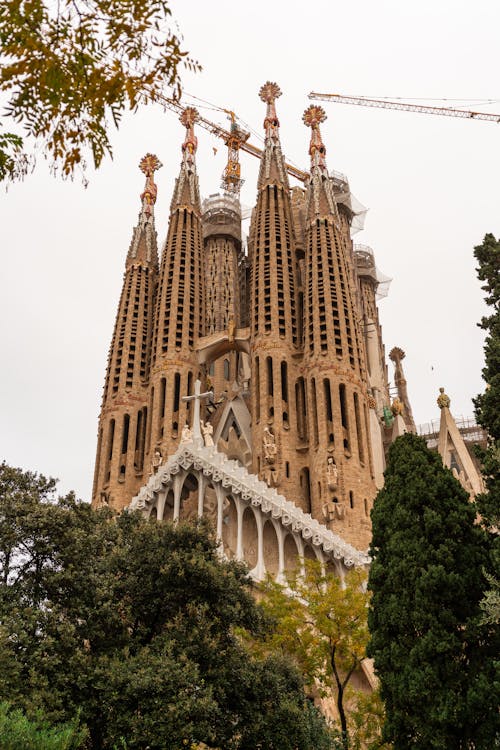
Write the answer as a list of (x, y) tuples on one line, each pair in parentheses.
[(431, 185)]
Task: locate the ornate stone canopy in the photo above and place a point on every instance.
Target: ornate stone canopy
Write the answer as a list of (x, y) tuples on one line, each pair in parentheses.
[(257, 510)]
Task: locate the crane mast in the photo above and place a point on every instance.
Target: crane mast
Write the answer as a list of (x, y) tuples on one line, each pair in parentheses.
[(363, 101)]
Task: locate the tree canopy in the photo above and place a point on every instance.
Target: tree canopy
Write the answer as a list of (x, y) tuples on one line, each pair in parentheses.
[(71, 68), (133, 625), (434, 658), (321, 621)]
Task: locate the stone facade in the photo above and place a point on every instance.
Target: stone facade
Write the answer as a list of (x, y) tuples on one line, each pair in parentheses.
[(281, 338)]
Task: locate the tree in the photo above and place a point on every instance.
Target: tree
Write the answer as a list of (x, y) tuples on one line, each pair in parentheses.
[(17, 732), (133, 624), (71, 66), (488, 403), (322, 623), (434, 659)]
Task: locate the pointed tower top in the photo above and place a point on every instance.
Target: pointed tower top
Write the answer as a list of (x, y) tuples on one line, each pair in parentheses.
[(149, 164), (269, 92), (188, 119), (313, 117)]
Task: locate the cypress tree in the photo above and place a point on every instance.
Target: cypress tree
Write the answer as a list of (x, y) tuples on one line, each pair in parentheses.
[(427, 580)]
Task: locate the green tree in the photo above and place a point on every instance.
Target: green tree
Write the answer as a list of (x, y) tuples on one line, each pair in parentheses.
[(322, 622), (71, 67), (17, 732), (433, 658), (488, 413), (133, 624)]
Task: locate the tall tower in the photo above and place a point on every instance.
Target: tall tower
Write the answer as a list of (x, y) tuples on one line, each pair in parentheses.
[(222, 238), (341, 470), (274, 338), (119, 469), (180, 305)]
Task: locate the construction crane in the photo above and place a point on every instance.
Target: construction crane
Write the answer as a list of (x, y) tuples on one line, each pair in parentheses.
[(363, 101), (236, 139)]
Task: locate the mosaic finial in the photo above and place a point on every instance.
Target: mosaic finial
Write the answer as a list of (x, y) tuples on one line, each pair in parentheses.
[(269, 92), (188, 119), (313, 117), (149, 164)]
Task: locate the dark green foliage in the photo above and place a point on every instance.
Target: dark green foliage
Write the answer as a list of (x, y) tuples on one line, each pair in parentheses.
[(71, 68), (17, 732), (488, 403), (133, 625), (433, 657)]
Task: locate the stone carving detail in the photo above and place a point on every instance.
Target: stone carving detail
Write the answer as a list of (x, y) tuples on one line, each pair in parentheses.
[(443, 401), (155, 462), (332, 474), (207, 431), (270, 447), (240, 483), (397, 406), (186, 434)]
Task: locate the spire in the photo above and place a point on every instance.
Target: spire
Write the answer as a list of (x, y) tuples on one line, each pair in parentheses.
[(269, 92), (313, 117), (187, 191), (320, 201), (149, 164), (397, 355), (143, 246), (190, 145), (272, 166)]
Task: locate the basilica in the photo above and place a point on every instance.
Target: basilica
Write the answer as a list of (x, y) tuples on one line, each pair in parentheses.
[(247, 379)]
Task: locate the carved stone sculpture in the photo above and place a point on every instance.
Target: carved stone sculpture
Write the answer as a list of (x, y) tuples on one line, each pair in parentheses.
[(156, 461), (443, 401), (207, 431), (332, 474), (186, 434)]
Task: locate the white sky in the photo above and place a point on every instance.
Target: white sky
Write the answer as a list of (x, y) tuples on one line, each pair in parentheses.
[(431, 184)]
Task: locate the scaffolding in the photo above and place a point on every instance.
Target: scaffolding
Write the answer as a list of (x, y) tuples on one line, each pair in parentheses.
[(365, 266), (471, 432)]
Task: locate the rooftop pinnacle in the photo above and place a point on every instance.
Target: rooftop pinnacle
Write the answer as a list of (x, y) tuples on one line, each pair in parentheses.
[(313, 117), (272, 165), (149, 164), (269, 92), (188, 119)]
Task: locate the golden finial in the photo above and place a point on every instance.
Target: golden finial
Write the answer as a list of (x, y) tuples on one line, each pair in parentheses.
[(149, 164), (443, 400), (314, 116), (269, 92)]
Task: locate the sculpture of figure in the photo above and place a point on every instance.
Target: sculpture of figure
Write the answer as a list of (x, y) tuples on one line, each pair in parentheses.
[(156, 461), (207, 431), (332, 473), (231, 328), (186, 435), (269, 445)]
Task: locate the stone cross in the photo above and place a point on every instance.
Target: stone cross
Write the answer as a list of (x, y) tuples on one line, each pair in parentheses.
[(197, 396)]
